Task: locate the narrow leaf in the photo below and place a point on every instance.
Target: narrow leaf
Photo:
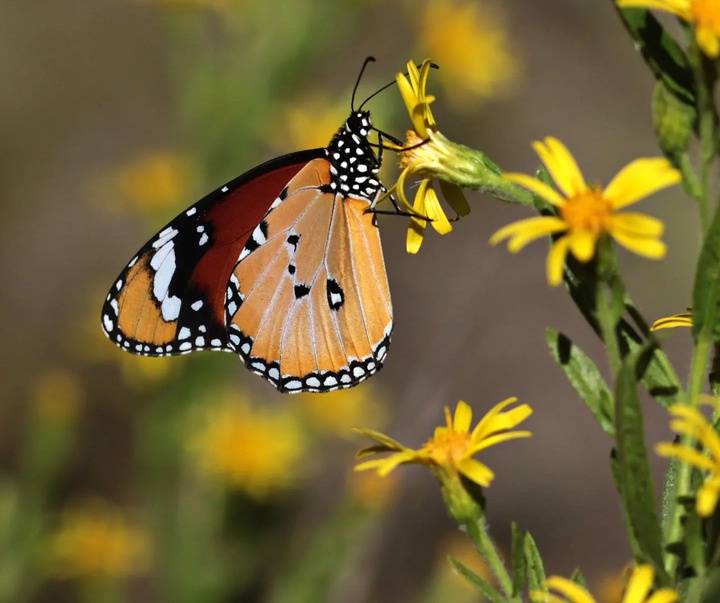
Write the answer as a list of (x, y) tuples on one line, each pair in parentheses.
[(518, 567), (633, 467), (661, 52), (584, 376), (478, 582), (706, 291), (578, 578), (535, 568)]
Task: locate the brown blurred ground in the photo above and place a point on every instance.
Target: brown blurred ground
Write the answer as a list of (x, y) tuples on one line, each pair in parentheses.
[(86, 83)]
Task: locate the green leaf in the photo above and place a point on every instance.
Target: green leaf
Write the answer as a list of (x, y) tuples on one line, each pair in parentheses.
[(661, 52), (633, 468), (534, 564), (615, 470), (518, 568), (584, 376), (668, 495), (478, 582), (706, 291)]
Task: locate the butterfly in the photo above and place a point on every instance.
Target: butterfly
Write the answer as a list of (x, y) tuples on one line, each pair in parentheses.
[(282, 265)]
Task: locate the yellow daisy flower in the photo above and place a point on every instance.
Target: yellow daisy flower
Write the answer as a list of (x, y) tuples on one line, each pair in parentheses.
[(452, 447), (703, 15), (684, 319), (689, 421), (425, 154), (586, 212), (95, 539), (256, 450), (638, 590), (471, 42)]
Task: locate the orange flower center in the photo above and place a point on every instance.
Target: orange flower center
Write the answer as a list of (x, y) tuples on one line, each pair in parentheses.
[(448, 448), (707, 13), (587, 211)]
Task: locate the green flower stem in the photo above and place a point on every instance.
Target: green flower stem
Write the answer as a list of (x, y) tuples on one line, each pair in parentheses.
[(469, 514), (705, 76), (690, 181), (469, 168), (606, 311), (698, 367)]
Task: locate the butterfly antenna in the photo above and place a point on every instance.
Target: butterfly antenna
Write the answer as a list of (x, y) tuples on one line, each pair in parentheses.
[(368, 60), (386, 86)]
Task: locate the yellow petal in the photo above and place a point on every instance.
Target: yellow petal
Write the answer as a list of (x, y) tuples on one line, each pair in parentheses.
[(640, 584), (386, 465), (678, 320), (707, 40), (556, 261), (455, 197), (498, 438), (561, 165), (707, 497), (477, 472), (664, 595), (534, 185), (582, 244), (463, 418), (639, 224), (648, 247), (639, 179), (485, 425), (570, 589), (685, 454), (527, 230), (681, 8), (380, 438), (415, 235), (434, 210)]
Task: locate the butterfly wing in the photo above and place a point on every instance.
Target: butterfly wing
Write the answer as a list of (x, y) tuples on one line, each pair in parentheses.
[(308, 303), (170, 299)]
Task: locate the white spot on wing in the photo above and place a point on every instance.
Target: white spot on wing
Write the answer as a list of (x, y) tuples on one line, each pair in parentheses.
[(184, 333), (197, 305)]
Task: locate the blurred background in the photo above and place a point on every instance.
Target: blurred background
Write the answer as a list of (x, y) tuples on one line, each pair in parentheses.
[(188, 479)]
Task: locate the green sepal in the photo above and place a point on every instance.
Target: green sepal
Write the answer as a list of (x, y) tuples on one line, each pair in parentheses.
[(478, 582), (584, 376), (675, 122), (578, 578), (661, 52), (633, 468), (534, 564), (706, 290), (518, 568)]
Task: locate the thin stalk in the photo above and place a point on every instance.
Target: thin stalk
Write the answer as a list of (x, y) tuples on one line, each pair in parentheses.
[(698, 367), (705, 77)]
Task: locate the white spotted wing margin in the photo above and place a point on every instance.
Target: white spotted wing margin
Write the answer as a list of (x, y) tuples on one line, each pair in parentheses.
[(308, 304)]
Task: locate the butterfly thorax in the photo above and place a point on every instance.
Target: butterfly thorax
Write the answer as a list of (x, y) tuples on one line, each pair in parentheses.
[(353, 163)]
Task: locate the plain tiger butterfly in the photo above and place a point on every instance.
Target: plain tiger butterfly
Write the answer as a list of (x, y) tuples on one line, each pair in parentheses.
[(282, 266)]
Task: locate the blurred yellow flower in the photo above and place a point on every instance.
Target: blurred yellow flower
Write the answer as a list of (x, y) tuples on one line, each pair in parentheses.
[(586, 212), (309, 123), (469, 40), (689, 421), (425, 154), (611, 586), (371, 491), (154, 182), (258, 451), (95, 539), (684, 319), (638, 590), (336, 412), (703, 15), (452, 448), (58, 395)]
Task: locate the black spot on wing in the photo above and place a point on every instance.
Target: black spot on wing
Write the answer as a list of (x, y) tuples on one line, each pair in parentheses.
[(335, 295), (293, 240), (301, 291)]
